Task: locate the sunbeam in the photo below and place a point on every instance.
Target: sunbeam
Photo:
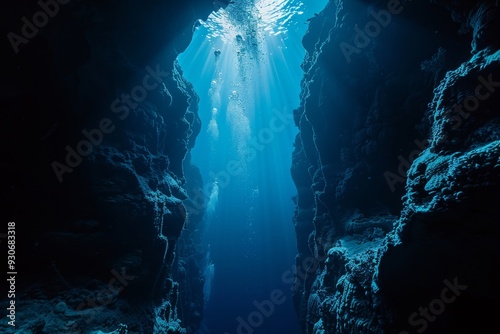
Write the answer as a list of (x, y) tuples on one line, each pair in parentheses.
[(244, 63)]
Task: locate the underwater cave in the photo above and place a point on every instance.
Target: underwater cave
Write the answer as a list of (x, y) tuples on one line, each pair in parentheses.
[(250, 167)]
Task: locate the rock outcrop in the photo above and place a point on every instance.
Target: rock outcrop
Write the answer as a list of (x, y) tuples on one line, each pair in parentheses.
[(392, 96), (98, 121)]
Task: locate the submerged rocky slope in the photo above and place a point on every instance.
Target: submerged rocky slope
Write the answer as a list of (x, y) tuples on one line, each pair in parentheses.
[(399, 100), (97, 123)]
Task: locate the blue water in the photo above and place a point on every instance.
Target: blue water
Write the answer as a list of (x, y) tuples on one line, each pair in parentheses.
[(244, 63)]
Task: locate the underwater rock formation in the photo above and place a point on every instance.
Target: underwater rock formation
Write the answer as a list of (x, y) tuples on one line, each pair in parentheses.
[(99, 121), (392, 96)]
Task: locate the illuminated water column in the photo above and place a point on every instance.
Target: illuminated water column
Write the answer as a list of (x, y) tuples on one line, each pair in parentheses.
[(244, 63)]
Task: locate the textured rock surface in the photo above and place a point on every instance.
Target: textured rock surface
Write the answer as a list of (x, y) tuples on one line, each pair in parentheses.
[(368, 113), (97, 244)]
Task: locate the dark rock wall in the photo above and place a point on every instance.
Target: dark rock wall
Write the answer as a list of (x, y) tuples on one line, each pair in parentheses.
[(98, 229), (399, 97)]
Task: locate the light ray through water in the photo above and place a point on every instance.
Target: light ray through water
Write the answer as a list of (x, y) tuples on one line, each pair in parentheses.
[(244, 63)]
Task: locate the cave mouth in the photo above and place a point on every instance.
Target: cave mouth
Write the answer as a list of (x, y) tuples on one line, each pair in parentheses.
[(244, 64)]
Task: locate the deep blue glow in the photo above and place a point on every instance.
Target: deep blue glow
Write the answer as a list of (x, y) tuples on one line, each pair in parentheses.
[(244, 63)]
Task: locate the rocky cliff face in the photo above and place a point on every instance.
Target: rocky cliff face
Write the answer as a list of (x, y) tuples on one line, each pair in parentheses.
[(97, 123), (398, 101)]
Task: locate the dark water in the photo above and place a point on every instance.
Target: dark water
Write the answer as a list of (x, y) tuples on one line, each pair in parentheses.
[(244, 63)]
